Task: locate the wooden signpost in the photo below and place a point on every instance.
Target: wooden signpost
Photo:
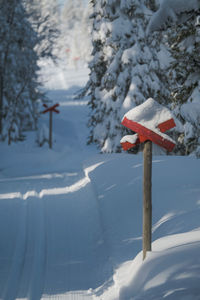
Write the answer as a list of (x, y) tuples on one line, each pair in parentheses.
[(147, 197), (149, 120), (50, 109)]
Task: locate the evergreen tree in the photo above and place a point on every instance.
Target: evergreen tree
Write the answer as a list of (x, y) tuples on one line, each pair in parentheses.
[(18, 71), (183, 38), (125, 69), (185, 86)]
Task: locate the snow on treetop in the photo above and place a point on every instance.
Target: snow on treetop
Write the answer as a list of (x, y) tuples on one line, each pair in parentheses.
[(149, 114), (170, 9)]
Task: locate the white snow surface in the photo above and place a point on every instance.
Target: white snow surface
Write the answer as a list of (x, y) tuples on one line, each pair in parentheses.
[(71, 218), (170, 9)]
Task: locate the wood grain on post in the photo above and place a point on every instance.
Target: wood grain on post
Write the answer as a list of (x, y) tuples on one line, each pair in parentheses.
[(50, 128), (147, 197)]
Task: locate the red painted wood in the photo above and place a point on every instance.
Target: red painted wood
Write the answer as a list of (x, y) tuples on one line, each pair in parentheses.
[(166, 125), (148, 134), (52, 108), (142, 138), (126, 146), (56, 111)]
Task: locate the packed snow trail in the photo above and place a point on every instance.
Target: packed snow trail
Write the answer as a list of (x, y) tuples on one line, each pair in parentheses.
[(54, 245), (59, 244)]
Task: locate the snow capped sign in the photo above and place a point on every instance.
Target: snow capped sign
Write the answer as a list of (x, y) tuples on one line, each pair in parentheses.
[(149, 120)]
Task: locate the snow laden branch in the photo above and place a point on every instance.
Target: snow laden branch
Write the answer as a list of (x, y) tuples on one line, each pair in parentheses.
[(169, 9)]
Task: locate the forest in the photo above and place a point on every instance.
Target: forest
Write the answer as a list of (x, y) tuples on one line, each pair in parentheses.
[(134, 50)]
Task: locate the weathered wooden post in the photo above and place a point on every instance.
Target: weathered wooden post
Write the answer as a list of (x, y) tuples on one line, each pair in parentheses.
[(50, 128), (50, 110), (147, 197), (149, 120)]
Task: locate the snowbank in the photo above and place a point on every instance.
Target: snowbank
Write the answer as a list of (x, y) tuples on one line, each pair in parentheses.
[(172, 269)]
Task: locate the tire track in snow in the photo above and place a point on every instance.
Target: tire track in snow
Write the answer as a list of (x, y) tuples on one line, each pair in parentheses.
[(33, 271), (26, 277), (18, 257), (39, 259), (102, 225), (64, 240)]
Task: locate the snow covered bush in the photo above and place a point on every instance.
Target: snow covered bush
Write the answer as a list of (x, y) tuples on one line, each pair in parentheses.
[(42, 135), (125, 69)]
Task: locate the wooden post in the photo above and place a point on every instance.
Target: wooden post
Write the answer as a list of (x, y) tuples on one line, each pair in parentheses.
[(147, 198), (50, 128)]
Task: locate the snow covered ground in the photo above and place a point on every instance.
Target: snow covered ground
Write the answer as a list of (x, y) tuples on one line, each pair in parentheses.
[(71, 218)]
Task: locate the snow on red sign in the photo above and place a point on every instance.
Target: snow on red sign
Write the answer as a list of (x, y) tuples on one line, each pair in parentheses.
[(149, 120)]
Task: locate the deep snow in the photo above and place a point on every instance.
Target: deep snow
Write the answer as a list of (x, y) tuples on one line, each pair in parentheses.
[(71, 218)]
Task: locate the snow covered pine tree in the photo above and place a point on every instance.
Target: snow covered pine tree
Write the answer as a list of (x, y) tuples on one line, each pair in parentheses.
[(180, 22), (18, 67), (125, 69)]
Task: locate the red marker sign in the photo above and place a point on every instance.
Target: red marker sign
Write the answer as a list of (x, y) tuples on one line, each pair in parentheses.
[(149, 120), (147, 134), (51, 108)]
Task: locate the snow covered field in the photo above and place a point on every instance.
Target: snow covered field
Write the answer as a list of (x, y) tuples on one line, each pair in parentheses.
[(71, 218)]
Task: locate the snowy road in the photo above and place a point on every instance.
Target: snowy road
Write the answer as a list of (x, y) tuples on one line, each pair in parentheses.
[(57, 241), (54, 245)]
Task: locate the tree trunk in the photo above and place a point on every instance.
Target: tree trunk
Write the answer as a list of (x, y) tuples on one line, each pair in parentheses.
[(1, 101)]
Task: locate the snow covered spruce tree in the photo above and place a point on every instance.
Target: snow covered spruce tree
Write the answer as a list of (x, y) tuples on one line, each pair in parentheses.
[(180, 22), (125, 69), (18, 67)]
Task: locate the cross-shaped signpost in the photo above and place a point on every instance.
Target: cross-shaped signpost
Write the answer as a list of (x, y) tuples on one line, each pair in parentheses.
[(50, 109), (149, 121)]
